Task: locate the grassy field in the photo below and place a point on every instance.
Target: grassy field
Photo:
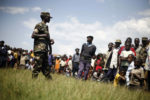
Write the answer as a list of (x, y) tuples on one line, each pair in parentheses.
[(19, 85)]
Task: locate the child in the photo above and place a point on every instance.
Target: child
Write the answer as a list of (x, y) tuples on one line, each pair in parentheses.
[(62, 65), (120, 78), (137, 75), (131, 59)]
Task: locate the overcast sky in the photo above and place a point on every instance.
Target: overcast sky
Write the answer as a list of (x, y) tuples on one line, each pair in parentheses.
[(73, 21)]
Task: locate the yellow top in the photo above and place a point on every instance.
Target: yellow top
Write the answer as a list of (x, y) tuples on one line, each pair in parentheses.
[(15, 55), (116, 80)]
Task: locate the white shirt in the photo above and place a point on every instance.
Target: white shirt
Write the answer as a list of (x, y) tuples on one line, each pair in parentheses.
[(70, 64), (114, 58), (92, 62), (63, 63), (125, 54), (130, 67)]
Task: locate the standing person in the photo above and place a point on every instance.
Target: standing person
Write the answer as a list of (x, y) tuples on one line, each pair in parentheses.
[(51, 62), (143, 51), (57, 64), (114, 61), (23, 60), (3, 54), (108, 55), (147, 68), (137, 47), (87, 52), (129, 40), (124, 57), (75, 61), (41, 43)]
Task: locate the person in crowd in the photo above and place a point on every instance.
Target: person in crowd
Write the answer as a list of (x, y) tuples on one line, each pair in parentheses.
[(114, 61), (124, 57), (87, 52), (99, 62), (137, 75), (97, 75), (120, 78), (137, 46), (10, 61), (63, 65), (75, 61), (3, 54), (147, 68), (108, 55), (50, 61), (23, 61), (57, 64), (143, 51), (128, 40), (131, 66)]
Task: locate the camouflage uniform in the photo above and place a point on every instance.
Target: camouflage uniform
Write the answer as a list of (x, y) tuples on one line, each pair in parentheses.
[(41, 52), (143, 53)]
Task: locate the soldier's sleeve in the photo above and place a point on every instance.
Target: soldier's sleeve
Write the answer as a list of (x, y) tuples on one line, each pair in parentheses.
[(36, 29)]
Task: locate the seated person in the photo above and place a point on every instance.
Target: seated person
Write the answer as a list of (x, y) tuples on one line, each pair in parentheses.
[(120, 78), (137, 75)]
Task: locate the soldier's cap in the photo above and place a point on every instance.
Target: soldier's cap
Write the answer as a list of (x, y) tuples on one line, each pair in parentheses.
[(144, 38), (90, 37), (118, 41), (46, 14)]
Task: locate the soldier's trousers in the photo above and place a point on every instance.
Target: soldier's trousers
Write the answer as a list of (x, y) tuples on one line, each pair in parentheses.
[(41, 64)]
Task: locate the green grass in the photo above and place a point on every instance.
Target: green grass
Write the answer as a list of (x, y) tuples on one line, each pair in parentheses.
[(19, 85)]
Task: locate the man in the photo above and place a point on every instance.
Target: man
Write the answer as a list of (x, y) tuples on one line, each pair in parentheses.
[(137, 47), (41, 43), (147, 67), (114, 61), (3, 54), (143, 51), (124, 57), (87, 52), (129, 40), (75, 60), (108, 55)]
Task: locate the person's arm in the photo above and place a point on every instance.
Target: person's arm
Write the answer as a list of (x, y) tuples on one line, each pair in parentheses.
[(82, 49), (123, 58), (122, 77), (36, 35), (138, 77)]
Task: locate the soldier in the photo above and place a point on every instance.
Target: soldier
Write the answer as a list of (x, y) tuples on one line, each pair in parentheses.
[(143, 51), (41, 43)]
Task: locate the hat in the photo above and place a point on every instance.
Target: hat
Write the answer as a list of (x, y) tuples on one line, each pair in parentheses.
[(144, 38), (118, 41), (90, 37), (46, 14)]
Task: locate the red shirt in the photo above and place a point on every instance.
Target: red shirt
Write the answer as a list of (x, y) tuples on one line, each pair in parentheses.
[(98, 64), (123, 48)]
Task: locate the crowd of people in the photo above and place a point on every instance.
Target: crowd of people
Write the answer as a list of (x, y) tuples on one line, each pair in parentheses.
[(127, 64)]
